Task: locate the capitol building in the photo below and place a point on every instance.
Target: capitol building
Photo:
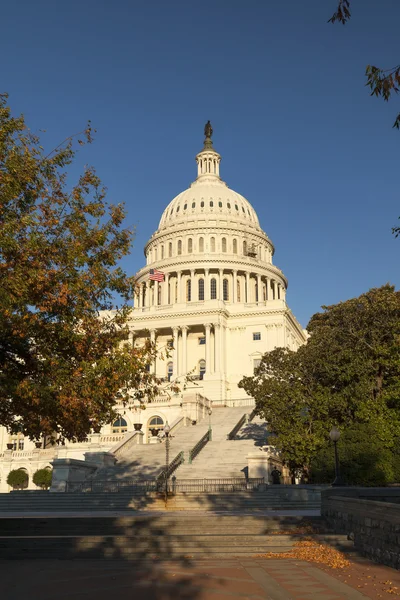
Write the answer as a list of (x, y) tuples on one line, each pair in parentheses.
[(210, 294)]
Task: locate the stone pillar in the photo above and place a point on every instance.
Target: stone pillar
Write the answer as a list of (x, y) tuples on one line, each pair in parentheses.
[(176, 353), (267, 288), (166, 289), (220, 295), (184, 330), (259, 289), (141, 292), (234, 294), (148, 294), (179, 298), (217, 352), (206, 284), (247, 298), (156, 284), (275, 289), (209, 368)]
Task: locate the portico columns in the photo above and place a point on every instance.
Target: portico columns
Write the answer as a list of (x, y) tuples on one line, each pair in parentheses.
[(234, 295), (175, 331), (209, 368), (155, 299), (217, 335), (179, 295), (166, 289), (148, 294), (267, 292), (247, 286), (184, 330), (275, 289)]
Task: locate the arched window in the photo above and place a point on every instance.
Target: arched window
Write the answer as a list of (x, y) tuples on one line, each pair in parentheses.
[(159, 296), (162, 251), (176, 291), (193, 204), (120, 426), (238, 290), (188, 290), (170, 249), (236, 206), (170, 370), (245, 248), (213, 289), (202, 368), (201, 244), (179, 247), (228, 204), (256, 287), (190, 246), (202, 204), (220, 204), (201, 289), (234, 246), (223, 244), (155, 425), (225, 285), (212, 244), (211, 203), (177, 209), (184, 206)]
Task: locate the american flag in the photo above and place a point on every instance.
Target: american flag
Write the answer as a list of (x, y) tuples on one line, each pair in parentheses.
[(156, 275)]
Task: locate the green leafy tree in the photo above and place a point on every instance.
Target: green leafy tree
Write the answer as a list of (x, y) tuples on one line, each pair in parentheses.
[(63, 361), (42, 478), (17, 479), (347, 373)]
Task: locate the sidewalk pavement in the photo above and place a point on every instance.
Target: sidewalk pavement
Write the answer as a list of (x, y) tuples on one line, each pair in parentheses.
[(218, 579)]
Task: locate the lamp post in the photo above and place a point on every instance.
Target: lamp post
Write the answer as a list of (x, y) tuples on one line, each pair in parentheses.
[(335, 435), (167, 429), (209, 425)]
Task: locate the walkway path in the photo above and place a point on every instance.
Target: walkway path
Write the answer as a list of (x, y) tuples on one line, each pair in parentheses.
[(241, 579)]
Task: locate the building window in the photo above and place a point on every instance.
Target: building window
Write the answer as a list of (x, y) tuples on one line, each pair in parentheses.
[(193, 204), (177, 209), (223, 244), (256, 289), (190, 246), (184, 206), (236, 206), (256, 364), (245, 248), (179, 247), (238, 290), (188, 290), (202, 368), (201, 244), (170, 249), (213, 289), (264, 292), (220, 204), (162, 251), (225, 286), (170, 370), (211, 203), (234, 246), (202, 204), (202, 341), (155, 425), (256, 336), (159, 295), (213, 244), (201, 289), (155, 253), (120, 426)]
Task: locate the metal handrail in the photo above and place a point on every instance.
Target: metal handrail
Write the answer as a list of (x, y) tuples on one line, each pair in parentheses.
[(199, 446), (173, 465), (244, 419)]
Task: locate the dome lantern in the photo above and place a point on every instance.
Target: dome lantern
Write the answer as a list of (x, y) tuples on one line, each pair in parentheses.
[(208, 159)]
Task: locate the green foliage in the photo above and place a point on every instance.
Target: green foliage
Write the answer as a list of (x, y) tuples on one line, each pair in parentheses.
[(63, 362), (42, 478), (347, 373), (17, 479)]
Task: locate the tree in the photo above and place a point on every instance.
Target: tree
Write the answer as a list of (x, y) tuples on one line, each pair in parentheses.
[(63, 362), (17, 479), (42, 478), (348, 372)]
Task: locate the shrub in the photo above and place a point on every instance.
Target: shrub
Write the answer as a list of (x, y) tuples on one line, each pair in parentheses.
[(42, 478), (17, 479)]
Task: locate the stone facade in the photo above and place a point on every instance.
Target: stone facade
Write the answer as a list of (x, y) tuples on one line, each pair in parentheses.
[(220, 306)]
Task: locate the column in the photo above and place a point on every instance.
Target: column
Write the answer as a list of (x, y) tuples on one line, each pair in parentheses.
[(209, 368), (179, 299), (153, 341), (166, 289), (148, 294), (156, 284), (247, 298), (141, 292), (184, 330), (267, 288), (206, 284), (259, 289), (221, 286), (275, 289), (193, 293), (217, 353), (234, 295), (175, 331)]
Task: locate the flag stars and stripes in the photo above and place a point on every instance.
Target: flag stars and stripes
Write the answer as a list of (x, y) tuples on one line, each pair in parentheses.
[(156, 275)]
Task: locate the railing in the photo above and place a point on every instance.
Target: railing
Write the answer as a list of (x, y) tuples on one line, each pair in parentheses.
[(111, 438), (199, 446), (242, 421), (40, 453), (215, 485), (234, 402), (126, 444), (113, 486), (173, 465)]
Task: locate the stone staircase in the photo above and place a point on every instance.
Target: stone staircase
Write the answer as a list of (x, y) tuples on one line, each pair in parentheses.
[(158, 537), (146, 461)]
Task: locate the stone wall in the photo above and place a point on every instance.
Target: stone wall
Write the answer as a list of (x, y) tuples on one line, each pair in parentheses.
[(373, 524)]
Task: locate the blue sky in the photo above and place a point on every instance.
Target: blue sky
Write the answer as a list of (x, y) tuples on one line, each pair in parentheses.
[(300, 136)]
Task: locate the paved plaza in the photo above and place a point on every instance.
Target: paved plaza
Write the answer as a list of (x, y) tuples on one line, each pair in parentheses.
[(219, 579)]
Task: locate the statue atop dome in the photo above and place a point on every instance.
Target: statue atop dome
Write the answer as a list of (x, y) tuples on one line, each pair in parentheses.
[(208, 130)]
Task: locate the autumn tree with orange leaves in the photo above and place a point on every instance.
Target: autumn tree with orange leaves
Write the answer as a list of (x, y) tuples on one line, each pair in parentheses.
[(63, 362)]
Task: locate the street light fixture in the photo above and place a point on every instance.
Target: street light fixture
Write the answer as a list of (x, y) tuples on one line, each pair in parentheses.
[(335, 435), (209, 424), (167, 429)]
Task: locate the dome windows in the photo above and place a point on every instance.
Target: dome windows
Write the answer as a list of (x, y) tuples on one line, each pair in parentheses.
[(212, 244), (245, 248), (201, 289), (185, 207), (179, 247), (188, 290), (243, 210), (228, 204), (220, 204), (177, 209), (234, 246), (193, 204), (225, 290), (223, 244), (202, 204), (213, 289), (190, 246), (170, 249), (211, 203), (201, 244), (236, 206)]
